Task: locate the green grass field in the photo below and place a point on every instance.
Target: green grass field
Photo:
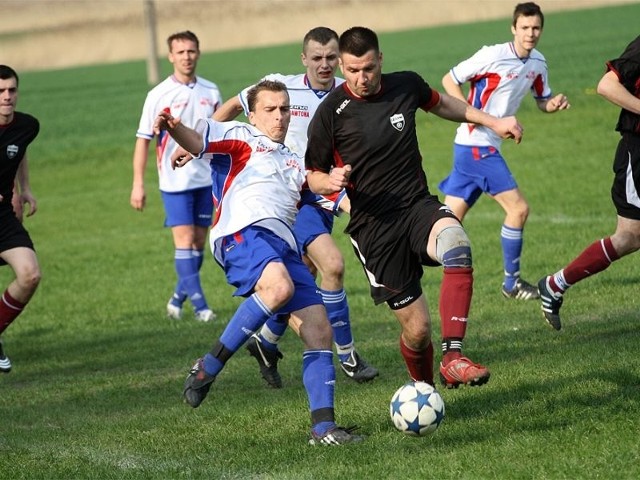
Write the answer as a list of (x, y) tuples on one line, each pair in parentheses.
[(98, 370)]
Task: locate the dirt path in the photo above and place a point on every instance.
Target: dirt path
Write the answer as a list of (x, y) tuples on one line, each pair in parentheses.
[(44, 34)]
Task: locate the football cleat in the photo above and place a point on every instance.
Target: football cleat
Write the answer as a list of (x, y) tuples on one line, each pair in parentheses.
[(357, 369), (197, 384), (521, 291), (267, 360), (5, 363), (174, 312), (551, 303), (463, 371), (205, 315), (336, 436)]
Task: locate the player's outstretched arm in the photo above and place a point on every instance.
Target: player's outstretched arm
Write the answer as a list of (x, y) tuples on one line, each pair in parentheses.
[(554, 104), (456, 110), (186, 137), (610, 88), (452, 88), (327, 183)]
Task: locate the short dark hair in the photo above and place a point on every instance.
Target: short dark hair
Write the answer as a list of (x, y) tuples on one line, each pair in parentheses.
[(6, 72), (358, 41), (322, 35), (528, 9), (264, 85), (186, 35)]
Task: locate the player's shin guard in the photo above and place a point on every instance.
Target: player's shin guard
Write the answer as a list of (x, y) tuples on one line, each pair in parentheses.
[(249, 317), (456, 291), (10, 308), (419, 363), (273, 330), (187, 268), (593, 259), (335, 302), (511, 240), (319, 378)]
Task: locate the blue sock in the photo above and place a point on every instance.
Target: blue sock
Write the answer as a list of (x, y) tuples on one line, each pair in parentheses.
[(182, 260), (199, 257), (511, 239), (272, 331), (335, 301), (250, 315), (189, 277), (319, 378)]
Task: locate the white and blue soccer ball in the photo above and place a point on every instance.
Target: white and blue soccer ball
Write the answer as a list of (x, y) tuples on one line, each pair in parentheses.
[(417, 409)]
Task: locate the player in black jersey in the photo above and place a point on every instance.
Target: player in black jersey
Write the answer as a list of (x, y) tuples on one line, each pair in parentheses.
[(17, 131), (363, 137), (621, 86)]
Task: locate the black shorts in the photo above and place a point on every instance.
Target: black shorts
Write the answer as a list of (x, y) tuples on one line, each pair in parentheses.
[(625, 190), (392, 251), (12, 232)]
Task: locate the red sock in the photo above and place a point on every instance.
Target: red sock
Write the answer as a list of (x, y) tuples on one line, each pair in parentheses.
[(419, 363), (455, 301), (10, 308), (593, 259)]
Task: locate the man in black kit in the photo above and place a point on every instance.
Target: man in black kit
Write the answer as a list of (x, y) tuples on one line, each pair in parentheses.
[(363, 137), (17, 131)]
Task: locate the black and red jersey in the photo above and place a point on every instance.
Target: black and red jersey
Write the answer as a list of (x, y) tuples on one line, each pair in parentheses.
[(15, 137), (377, 136), (627, 68)]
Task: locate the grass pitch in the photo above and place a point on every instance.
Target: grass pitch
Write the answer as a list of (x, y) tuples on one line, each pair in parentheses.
[(98, 371)]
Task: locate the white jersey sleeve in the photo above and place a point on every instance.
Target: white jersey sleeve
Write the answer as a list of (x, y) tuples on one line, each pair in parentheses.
[(304, 102), (498, 80), (255, 180), (188, 102)]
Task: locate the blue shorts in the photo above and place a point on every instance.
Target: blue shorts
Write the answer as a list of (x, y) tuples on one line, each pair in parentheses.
[(246, 254), (311, 222), (477, 170), (191, 207)]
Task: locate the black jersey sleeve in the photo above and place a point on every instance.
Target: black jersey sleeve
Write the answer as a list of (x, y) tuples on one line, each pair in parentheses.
[(319, 154), (627, 68)]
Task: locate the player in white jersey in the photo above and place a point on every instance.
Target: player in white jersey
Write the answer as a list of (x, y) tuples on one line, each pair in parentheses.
[(186, 193), (499, 76), (256, 187), (314, 222)]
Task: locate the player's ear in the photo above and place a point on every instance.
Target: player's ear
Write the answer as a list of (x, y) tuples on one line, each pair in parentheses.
[(252, 118)]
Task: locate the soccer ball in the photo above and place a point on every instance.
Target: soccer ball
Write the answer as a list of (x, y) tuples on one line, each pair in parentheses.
[(416, 409)]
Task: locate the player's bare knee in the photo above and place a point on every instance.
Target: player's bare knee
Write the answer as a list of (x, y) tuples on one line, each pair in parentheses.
[(276, 293), (28, 279), (453, 248), (332, 268)]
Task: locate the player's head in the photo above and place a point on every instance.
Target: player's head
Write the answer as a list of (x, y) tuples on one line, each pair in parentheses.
[(361, 61), (184, 52), (320, 57), (8, 93), (527, 25), (269, 109)]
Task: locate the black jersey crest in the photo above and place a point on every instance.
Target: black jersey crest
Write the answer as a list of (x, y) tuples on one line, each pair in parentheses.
[(397, 121)]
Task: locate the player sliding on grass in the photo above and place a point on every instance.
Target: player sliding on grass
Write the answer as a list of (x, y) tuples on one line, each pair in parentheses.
[(314, 221), (256, 188), (363, 137), (499, 77)]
